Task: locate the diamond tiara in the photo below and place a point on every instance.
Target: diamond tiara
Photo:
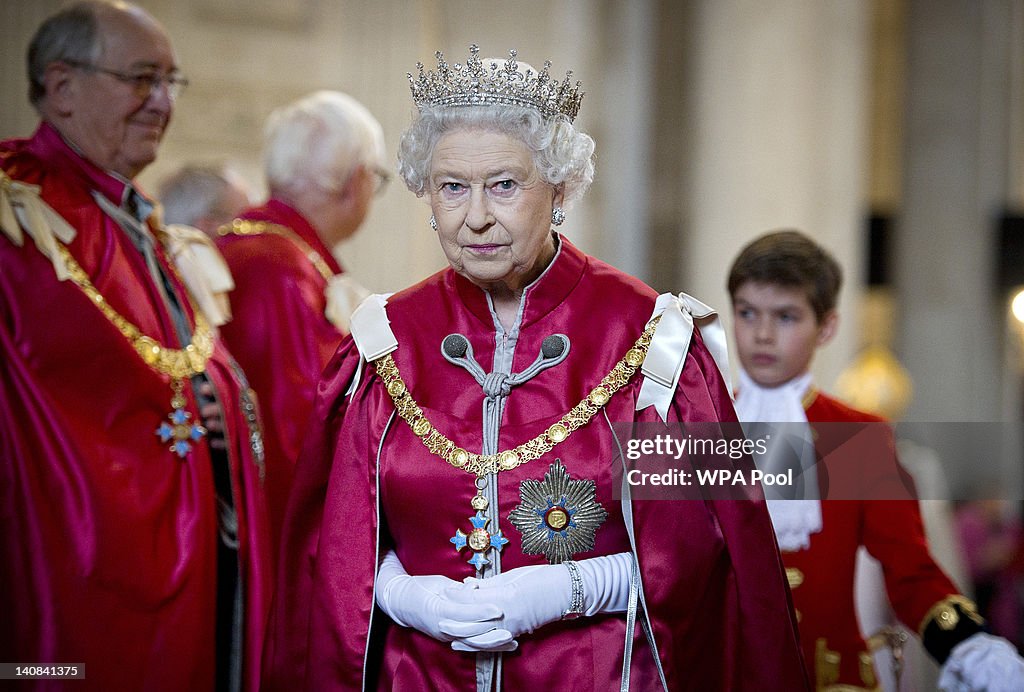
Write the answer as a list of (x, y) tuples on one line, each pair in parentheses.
[(480, 84)]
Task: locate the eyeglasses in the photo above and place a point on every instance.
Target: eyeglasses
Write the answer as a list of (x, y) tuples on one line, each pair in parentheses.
[(383, 178), (144, 84)]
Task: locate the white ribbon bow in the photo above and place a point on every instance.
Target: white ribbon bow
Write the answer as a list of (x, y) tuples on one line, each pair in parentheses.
[(23, 211), (670, 344), (371, 330), (203, 269)]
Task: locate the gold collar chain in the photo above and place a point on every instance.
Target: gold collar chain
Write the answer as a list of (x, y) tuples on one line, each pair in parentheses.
[(176, 363), (179, 364), (243, 227), (483, 464)]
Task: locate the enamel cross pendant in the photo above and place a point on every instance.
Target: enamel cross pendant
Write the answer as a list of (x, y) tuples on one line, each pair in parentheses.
[(479, 540), (179, 432)]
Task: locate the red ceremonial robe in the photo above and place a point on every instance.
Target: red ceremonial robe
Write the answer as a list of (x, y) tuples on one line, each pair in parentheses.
[(822, 575), (712, 576), (280, 336), (108, 540)]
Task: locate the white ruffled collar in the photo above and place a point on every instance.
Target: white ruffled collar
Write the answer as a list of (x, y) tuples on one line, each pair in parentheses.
[(794, 520)]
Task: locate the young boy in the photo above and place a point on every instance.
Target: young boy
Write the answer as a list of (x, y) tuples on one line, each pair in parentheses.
[(784, 289)]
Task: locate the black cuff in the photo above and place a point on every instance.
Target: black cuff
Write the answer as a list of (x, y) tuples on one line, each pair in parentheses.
[(949, 622)]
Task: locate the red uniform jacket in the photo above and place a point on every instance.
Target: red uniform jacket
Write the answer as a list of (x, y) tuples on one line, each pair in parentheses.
[(821, 576)]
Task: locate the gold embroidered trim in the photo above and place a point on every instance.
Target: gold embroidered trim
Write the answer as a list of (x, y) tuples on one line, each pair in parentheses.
[(946, 616), (242, 227), (826, 664), (177, 363), (482, 464)]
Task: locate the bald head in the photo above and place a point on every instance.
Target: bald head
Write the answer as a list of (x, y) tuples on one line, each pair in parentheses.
[(73, 34), (99, 72)]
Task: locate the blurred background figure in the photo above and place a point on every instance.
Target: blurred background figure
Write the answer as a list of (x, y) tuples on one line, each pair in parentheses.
[(324, 163), (990, 535), (205, 196)]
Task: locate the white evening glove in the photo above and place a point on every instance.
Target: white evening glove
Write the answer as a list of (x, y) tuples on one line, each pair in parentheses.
[(980, 663), (533, 596), (422, 602)]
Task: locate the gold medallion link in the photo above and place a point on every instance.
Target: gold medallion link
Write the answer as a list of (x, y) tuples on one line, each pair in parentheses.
[(557, 433), (483, 464)]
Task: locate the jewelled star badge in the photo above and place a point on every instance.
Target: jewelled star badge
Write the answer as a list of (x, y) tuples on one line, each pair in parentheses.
[(479, 540), (558, 516)]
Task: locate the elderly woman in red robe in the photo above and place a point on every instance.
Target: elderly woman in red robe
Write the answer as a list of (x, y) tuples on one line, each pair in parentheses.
[(459, 520)]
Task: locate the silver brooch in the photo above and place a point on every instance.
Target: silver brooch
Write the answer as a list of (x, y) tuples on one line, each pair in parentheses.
[(558, 517)]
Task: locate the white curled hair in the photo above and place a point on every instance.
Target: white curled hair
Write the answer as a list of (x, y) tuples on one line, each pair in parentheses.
[(563, 155), (320, 140)]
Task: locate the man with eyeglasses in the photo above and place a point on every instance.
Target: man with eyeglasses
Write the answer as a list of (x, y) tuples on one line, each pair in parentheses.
[(324, 162), (133, 535)]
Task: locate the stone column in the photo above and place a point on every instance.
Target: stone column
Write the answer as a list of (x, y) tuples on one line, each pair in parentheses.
[(955, 185), (778, 132), (957, 180)]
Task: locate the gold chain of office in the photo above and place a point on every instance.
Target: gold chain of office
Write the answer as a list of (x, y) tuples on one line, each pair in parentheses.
[(177, 363), (243, 227), (483, 464)]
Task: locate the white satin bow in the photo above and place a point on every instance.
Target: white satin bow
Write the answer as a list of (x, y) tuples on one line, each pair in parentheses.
[(371, 330), (23, 211), (667, 352), (203, 269)]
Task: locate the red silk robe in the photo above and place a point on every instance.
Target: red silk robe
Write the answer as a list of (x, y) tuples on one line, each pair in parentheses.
[(822, 575), (108, 539), (712, 576), (280, 336)]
